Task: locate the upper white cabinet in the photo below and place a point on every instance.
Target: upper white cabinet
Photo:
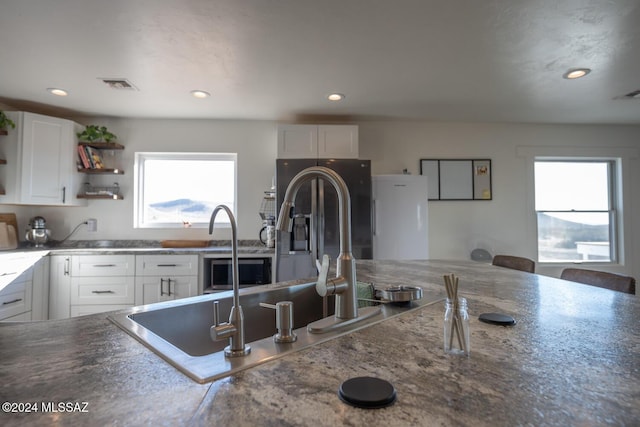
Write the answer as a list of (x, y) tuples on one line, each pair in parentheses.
[(317, 141), (41, 167)]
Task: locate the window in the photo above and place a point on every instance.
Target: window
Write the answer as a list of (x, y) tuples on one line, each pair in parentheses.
[(575, 210), (174, 190)]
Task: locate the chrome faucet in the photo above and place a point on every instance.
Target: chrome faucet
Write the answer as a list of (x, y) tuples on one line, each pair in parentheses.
[(234, 328), (344, 284)]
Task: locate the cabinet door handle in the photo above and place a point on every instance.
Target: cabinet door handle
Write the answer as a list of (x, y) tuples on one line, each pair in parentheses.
[(169, 280), (102, 292), (66, 266), (162, 287), (8, 274), (12, 302)]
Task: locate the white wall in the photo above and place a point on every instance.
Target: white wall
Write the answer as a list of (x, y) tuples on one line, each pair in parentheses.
[(254, 141), (505, 224)]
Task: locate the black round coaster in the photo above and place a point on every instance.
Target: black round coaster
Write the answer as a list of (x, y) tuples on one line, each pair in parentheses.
[(497, 319), (367, 392)]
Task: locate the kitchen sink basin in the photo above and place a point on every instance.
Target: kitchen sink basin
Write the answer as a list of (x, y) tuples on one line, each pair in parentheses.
[(178, 331)]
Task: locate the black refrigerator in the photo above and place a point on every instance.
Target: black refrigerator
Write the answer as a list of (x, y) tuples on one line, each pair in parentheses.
[(316, 214)]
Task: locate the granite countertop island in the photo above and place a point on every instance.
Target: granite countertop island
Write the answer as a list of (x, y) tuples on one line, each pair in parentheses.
[(571, 359)]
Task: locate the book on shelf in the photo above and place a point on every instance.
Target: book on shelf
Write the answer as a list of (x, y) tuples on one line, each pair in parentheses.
[(94, 157), (84, 159)]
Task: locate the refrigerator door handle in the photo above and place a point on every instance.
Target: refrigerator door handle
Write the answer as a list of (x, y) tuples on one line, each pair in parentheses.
[(313, 222), (375, 217)]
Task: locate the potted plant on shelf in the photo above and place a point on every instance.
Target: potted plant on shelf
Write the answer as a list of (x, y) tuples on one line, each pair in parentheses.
[(5, 122), (95, 133)]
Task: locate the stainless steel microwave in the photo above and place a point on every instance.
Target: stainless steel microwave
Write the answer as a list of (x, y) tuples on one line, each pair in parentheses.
[(251, 272)]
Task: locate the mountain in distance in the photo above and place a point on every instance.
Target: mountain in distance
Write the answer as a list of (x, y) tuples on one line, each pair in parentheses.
[(182, 205)]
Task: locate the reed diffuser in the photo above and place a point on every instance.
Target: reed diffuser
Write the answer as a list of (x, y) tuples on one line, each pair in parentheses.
[(456, 319)]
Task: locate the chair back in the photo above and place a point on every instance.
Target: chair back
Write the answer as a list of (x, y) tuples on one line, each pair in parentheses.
[(515, 263), (602, 279)]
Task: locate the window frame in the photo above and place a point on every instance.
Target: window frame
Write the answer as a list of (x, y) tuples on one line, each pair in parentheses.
[(613, 176), (139, 169)]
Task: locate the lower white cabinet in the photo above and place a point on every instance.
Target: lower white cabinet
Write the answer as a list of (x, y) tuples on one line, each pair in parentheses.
[(27, 296), (89, 284), (165, 277), (15, 298)]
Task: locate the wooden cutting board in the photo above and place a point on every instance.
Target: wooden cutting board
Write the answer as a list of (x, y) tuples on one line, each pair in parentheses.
[(184, 243), (10, 219)]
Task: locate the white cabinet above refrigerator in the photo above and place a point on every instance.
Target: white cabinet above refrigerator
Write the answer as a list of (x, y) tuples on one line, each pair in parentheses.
[(400, 211)]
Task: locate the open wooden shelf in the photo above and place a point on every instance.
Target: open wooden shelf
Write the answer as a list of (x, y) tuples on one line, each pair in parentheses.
[(100, 196), (102, 171), (3, 162), (4, 132), (103, 145)]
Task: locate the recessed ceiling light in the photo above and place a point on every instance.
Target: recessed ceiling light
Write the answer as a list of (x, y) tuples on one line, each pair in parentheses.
[(335, 97), (576, 73), (200, 94), (57, 92)]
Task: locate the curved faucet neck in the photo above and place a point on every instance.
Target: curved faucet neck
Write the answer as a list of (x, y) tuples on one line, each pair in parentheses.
[(344, 202), (234, 247)]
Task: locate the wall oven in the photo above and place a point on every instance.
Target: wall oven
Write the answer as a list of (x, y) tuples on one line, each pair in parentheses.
[(252, 271)]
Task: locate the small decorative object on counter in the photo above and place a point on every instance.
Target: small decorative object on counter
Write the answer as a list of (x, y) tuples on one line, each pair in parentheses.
[(456, 320)]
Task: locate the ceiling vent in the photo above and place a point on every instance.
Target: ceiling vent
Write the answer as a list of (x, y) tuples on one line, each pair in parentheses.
[(631, 95), (119, 84)]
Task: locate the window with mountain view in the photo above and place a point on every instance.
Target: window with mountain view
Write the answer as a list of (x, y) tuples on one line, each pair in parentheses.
[(575, 210), (181, 189)]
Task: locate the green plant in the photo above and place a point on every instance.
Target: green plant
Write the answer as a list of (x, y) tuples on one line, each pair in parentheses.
[(95, 133), (5, 121)]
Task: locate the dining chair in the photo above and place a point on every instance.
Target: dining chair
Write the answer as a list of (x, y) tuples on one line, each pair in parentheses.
[(514, 263), (601, 279)]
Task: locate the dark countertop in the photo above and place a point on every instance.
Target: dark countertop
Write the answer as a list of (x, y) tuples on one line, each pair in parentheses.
[(572, 359)]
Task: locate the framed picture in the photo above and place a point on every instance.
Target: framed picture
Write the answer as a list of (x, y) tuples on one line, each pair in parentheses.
[(458, 179)]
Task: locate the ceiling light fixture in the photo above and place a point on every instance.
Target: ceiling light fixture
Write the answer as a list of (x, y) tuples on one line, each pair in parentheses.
[(200, 94), (335, 97), (57, 91), (576, 73)]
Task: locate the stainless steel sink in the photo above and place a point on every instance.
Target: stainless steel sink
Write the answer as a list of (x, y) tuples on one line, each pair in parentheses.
[(178, 331)]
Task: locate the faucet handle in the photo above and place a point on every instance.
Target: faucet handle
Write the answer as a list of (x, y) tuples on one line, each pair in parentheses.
[(323, 276)]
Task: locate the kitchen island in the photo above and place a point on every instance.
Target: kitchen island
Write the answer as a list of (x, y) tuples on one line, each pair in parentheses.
[(571, 359)]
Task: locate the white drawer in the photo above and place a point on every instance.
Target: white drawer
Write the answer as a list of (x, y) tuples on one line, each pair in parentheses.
[(15, 299), (83, 310), (102, 265), (167, 265), (102, 290)]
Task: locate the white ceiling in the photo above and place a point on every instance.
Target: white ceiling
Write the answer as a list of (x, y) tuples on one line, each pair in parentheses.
[(468, 60)]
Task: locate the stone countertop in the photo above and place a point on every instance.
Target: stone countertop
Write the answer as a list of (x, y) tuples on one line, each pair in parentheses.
[(572, 359)]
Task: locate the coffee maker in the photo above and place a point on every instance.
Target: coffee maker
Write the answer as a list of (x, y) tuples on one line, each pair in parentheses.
[(267, 212), (268, 230)]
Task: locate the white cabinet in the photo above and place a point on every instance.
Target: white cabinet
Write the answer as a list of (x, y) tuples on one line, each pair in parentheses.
[(59, 286), (317, 141), (40, 300), (15, 298), (41, 165), (165, 277), (87, 284)]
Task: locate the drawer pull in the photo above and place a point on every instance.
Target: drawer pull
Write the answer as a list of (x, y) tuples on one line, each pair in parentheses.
[(12, 302), (102, 292), (8, 274), (104, 265), (167, 265)]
